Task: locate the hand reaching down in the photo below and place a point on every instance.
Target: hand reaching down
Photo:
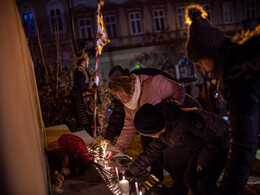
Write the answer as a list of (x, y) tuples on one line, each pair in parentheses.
[(110, 154)]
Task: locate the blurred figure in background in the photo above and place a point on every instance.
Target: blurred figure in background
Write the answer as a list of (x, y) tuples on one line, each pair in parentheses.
[(82, 93), (236, 65)]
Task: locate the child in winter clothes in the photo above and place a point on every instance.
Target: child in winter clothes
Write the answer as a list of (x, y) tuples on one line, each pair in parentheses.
[(202, 133)]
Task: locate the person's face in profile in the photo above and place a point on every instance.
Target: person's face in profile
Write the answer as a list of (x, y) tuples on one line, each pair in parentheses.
[(122, 96), (206, 64), (85, 63)]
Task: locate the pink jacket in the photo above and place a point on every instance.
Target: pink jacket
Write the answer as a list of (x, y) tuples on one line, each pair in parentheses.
[(153, 91)]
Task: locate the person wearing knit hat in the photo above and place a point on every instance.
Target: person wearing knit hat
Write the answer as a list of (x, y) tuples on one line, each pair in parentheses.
[(235, 63), (202, 133), (204, 39), (149, 121), (133, 89)]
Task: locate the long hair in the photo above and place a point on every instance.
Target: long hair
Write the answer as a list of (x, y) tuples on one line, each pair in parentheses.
[(124, 84)]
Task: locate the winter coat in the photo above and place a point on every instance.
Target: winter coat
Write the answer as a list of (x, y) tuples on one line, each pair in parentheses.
[(81, 79), (193, 130), (116, 119), (154, 90), (239, 76)]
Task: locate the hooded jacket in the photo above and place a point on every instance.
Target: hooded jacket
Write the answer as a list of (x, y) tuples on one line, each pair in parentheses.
[(190, 129)]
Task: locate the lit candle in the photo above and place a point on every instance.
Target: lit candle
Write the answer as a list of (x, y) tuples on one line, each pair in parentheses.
[(124, 186), (104, 152), (117, 175), (136, 188), (140, 193)]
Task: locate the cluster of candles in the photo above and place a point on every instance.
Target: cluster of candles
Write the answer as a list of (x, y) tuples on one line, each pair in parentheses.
[(124, 185)]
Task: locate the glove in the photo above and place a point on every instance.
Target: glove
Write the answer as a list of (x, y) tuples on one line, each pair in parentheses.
[(96, 81)]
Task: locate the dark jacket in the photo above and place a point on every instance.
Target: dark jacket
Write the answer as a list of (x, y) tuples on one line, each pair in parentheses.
[(239, 76), (192, 130), (81, 79), (82, 98), (116, 119)]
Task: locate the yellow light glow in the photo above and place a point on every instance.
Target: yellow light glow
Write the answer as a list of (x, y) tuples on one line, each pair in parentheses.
[(204, 14)]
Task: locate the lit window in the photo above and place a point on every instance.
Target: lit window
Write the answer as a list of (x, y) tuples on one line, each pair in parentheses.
[(228, 12), (85, 28), (28, 19), (135, 23), (28, 23), (159, 21), (110, 23)]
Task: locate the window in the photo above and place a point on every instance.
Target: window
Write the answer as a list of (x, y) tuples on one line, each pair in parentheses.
[(28, 23), (135, 23), (56, 20), (55, 13), (206, 7), (110, 23), (228, 13), (159, 21), (181, 18), (28, 20), (250, 9), (85, 28)]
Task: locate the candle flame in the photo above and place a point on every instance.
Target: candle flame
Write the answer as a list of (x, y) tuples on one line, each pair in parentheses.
[(104, 144)]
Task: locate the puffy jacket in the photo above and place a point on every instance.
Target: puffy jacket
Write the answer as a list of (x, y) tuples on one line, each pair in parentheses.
[(116, 119), (193, 130)]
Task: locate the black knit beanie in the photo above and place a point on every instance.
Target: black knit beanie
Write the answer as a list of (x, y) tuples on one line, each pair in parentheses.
[(204, 39), (115, 73), (149, 120)]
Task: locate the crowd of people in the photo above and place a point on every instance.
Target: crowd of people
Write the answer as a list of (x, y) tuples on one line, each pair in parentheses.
[(177, 134)]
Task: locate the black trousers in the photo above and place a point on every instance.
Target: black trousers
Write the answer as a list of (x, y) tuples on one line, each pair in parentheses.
[(204, 182), (174, 161)]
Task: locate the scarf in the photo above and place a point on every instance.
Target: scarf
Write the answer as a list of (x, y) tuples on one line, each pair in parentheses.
[(133, 102)]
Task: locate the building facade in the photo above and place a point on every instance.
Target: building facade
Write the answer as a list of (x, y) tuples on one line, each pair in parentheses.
[(150, 33)]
